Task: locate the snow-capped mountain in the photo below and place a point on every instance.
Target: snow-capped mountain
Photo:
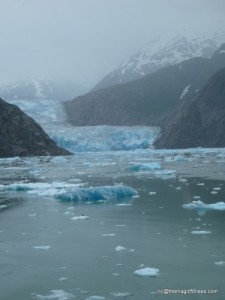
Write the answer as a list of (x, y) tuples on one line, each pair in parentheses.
[(34, 89), (160, 53)]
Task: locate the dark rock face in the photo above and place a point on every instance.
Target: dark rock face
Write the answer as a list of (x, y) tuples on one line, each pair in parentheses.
[(201, 122), (146, 101), (22, 136)]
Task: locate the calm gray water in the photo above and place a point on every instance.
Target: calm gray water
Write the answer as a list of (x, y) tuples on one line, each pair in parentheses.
[(49, 252)]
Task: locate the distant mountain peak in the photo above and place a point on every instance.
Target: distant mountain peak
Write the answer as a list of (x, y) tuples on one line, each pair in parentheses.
[(40, 88), (161, 52)]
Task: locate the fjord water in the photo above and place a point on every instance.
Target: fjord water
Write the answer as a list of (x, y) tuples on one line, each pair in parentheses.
[(55, 249)]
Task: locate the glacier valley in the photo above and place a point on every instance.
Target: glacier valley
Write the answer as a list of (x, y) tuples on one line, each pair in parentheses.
[(117, 220)]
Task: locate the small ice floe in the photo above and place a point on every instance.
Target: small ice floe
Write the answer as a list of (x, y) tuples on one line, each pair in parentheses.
[(145, 167), (164, 174), (147, 272), (201, 207), (3, 207), (121, 295), (32, 215), (120, 248), (54, 294), (219, 263), (95, 298), (152, 193), (79, 218), (108, 234), (63, 279), (42, 247), (200, 232)]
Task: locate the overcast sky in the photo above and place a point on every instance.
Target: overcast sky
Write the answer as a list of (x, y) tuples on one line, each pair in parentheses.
[(83, 40)]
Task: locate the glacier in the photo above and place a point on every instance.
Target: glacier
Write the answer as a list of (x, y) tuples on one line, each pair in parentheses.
[(52, 117)]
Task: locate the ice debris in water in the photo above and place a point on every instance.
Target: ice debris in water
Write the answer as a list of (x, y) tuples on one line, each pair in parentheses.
[(79, 218), (95, 298), (200, 232), (42, 247), (96, 194), (121, 294), (147, 272), (199, 205), (219, 263), (120, 248), (55, 295), (41, 188), (145, 167)]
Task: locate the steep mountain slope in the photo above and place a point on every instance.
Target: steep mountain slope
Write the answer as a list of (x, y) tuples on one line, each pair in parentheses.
[(145, 101), (201, 122), (160, 53), (36, 89), (21, 136)]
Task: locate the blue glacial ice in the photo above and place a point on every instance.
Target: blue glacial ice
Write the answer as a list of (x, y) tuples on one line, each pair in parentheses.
[(117, 193)]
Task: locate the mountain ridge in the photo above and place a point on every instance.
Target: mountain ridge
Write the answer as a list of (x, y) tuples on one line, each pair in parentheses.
[(145, 101), (162, 52)]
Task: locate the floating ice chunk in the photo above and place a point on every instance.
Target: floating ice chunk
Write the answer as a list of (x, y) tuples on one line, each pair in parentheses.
[(219, 263), (200, 232), (108, 234), (120, 248), (55, 295), (63, 278), (145, 167), (79, 218), (164, 173), (121, 295), (96, 194), (95, 298), (42, 247), (147, 272), (199, 205), (152, 193), (3, 207), (41, 188)]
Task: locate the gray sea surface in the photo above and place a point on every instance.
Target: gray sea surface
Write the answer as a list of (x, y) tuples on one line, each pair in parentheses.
[(89, 244)]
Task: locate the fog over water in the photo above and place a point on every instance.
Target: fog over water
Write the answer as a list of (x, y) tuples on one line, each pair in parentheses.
[(83, 40)]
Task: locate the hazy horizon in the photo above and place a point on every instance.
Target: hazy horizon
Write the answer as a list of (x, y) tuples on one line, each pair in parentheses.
[(83, 40)]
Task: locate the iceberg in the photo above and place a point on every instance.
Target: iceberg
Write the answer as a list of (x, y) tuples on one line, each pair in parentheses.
[(100, 194), (147, 272)]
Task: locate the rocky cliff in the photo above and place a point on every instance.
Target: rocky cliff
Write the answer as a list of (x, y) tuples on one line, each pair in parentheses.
[(20, 135), (200, 122)]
